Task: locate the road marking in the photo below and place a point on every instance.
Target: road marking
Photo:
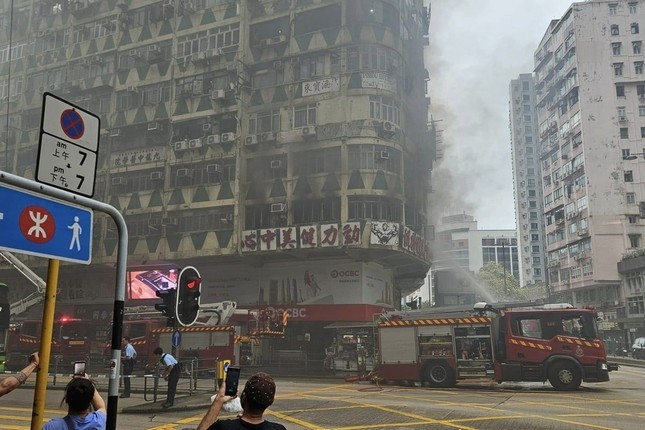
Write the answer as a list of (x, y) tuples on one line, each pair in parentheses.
[(305, 424)]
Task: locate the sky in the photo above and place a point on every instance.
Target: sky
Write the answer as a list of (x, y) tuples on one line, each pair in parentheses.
[(476, 48)]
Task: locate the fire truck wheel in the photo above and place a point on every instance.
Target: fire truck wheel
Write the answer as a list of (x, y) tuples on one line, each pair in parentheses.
[(564, 376), (439, 375)]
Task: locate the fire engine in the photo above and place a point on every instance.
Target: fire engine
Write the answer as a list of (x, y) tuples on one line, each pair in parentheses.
[(71, 341), (557, 343)]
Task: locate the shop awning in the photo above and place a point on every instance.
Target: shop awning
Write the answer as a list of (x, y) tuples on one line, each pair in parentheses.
[(346, 324)]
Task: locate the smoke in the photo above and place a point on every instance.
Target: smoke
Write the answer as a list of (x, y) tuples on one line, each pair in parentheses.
[(476, 48)]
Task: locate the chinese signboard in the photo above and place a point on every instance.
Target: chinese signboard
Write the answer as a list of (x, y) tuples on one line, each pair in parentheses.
[(380, 80), (139, 156), (320, 86)]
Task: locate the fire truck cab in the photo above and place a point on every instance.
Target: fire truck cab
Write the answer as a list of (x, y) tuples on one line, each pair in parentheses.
[(555, 343), (71, 341)]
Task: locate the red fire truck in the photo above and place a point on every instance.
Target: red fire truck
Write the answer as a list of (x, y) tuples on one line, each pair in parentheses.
[(71, 341), (557, 343)]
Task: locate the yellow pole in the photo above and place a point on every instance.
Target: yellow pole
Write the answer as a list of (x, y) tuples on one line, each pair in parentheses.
[(45, 346)]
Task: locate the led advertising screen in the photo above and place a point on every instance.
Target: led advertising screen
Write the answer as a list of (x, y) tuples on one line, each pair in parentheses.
[(144, 284)]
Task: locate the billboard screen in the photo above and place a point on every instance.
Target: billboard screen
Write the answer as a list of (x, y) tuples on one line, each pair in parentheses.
[(144, 284)]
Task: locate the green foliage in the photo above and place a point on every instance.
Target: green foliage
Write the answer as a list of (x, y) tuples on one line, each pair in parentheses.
[(502, 288)]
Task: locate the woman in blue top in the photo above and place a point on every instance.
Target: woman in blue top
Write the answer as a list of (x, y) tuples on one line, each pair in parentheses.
[(80, 394)]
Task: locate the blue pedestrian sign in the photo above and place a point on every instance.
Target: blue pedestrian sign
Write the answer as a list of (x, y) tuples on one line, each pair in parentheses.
[(45, 227), (176, 338)]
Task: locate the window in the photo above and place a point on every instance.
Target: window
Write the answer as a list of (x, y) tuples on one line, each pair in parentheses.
[(634, 240), (632, 8), (634, 28), (615, 48), (614, 30), (535, 248), (527, 327), (373, 207), (629, 177), (621, 112), (620, 91), (527, 129), (537, 272), (304, 115), (384, 108), (264, 121), (625, 153), (317, 161), (312, 210), (636, 47), (641, 111), (630, 198), (642, 131), (612, 8), (310, 66), (534, 226), (536, 260), (638, 67), (640, 90), (632, 219), (527, 118), (618, 69), (369, 157), (624, 133)]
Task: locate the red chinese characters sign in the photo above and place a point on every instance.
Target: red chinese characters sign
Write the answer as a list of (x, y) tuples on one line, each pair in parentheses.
[(351, 234), (415, 244), (308, 236)]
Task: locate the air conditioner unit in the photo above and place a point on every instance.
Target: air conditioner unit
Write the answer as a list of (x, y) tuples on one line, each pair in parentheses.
[(154, 48), (153, 125), (276, 164), (565, 156), (622, 118), (195, 143), (278, 207), (251, 140), (278, 65), (213, 168), (268, 136), (228, 137), (295, 60), (168, 3), (231, 67), (114, 132), (132, 89), (86, 62), (156, 176), (218, 94), (184, 173), (276, 40), (54, 87), (180, 145), (134, 53), (197, 88), (118, 180), (212, 139), (309, 131), (583, 232), (388, 127), (384, 155), (206, 126)]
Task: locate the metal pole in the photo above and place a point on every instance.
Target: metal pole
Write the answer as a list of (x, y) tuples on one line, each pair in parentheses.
[(121, 268), (46, 334), (504, 264)]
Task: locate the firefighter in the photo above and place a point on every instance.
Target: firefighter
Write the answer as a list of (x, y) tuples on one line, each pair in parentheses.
[(12, 382)]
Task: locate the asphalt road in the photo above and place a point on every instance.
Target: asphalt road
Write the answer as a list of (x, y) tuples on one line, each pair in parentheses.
[(333, 404)]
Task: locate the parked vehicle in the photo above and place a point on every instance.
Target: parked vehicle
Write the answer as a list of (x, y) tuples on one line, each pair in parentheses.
[(560, 344), (638, 348)]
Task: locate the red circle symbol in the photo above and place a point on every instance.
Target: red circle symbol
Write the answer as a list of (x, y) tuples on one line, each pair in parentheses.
[(37, 224), (72, 124)]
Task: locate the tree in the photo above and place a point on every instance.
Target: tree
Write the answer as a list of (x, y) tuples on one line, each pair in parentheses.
[(491, 277)]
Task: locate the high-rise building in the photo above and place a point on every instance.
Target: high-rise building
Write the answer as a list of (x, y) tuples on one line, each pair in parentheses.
[(281, 147), (590, 88), (527, 181)]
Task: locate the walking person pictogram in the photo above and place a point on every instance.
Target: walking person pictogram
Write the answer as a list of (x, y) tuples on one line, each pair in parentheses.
[(76, 233)]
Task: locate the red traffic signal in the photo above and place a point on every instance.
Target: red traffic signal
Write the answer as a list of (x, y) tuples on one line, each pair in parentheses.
[(189, 287)]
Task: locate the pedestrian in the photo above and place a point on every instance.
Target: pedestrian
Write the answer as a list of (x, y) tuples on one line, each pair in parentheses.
[(127, 360), (170, 373), (80, 395), (258, 395), (12, 382)]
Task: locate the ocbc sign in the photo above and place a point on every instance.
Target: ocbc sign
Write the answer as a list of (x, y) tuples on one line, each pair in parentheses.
[(344, 273), (292, 312)]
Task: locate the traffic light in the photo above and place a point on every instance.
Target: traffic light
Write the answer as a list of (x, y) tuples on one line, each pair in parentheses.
[(167, 307), (189, 287)]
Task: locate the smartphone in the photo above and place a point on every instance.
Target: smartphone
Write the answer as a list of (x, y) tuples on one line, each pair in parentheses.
[(232, 380), (79, 368)]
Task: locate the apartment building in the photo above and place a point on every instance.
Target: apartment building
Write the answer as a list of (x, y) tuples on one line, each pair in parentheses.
[(527, 181), (590, 91), (280, 147)]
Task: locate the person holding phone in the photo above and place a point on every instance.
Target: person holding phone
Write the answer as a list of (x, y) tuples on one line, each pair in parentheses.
[(127, 361), (80, 396), (12, 382), (258, 395), (170, 372)]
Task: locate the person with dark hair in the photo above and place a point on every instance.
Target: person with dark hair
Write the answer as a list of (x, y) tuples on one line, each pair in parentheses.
[(170, 372), (80, 395), (12, 382), (258, 395), (127, 361)]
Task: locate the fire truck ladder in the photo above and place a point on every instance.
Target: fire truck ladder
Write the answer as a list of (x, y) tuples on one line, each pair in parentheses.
[(32, 299), (218, 313)]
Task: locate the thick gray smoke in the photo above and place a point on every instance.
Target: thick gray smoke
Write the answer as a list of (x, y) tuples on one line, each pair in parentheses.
[(476, 48)]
